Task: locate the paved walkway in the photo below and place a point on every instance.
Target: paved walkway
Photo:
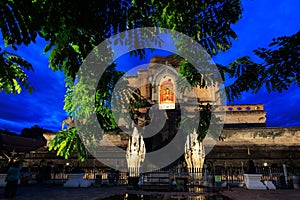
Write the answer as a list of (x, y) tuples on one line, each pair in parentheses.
[(97, 193), (60, 193), (242, 194)]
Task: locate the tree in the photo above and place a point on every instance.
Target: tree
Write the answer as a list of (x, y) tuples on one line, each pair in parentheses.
[(278, 69), (34, 132), (7, 132), (73, 30), (12, 74)]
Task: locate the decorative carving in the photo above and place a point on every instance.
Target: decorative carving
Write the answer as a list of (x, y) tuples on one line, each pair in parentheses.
[(194, 153), (69, 121), (135, 154), (141, 117), (268, 133)]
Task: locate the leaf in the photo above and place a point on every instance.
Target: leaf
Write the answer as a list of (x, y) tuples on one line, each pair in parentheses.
[(17, 86), (76, 48)]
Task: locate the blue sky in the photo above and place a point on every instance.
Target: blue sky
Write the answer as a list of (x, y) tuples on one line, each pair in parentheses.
[(44, 107), (262, 20)]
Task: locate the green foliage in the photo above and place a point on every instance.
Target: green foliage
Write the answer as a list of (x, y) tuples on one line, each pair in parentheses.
[(279, 68), (246, 74), (18, 22), (18, 26), (80, 96), (206, 120), (281, 62), (207, 22), (73, 30), (66, 143), (12, 75), (191, 75), (104, 94), (205, 116)]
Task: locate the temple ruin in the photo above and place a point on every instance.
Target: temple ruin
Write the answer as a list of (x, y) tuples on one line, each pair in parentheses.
[(244, 134)]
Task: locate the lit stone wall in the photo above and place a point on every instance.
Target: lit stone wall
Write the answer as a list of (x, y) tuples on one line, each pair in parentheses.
[(270, 145), (145, 77), (245, 114), (266, 145), (260, 136)]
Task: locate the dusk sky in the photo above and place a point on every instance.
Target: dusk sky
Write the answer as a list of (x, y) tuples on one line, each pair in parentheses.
[(261, 21)]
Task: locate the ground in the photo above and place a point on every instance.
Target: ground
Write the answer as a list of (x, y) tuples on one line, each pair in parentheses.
[(97, 193)]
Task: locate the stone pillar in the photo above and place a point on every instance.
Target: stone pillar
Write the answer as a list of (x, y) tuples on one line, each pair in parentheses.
[(135, 154)]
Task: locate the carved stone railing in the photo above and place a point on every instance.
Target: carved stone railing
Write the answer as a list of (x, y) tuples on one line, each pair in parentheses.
[(240, 107)]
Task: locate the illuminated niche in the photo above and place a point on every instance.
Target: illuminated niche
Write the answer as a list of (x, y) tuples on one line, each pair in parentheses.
[(167, 93)]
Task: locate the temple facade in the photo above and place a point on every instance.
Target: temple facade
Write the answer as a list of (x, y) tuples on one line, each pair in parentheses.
[(157, 84), (244, 125), (244, 135)]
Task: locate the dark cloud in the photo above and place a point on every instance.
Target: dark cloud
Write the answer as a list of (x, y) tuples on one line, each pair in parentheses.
[(26, 110), (44, 107)]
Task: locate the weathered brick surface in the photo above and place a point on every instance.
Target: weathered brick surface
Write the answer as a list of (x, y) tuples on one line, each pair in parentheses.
[(270, 145)]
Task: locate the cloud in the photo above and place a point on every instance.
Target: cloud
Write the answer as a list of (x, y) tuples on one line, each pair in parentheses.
[(44, 107)]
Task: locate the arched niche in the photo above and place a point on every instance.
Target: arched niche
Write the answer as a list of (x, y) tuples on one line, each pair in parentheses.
[(164, 79), (166, 93)]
